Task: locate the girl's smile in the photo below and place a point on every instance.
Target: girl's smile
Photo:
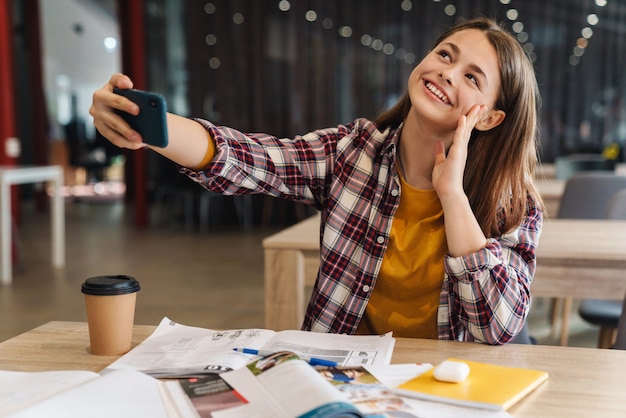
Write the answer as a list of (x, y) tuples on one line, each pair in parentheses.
[(437, 91)]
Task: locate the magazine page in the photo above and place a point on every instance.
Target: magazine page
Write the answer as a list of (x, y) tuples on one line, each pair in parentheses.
[(176, 350), (283, 385), (345, 350), (200, 396), (366, 392)]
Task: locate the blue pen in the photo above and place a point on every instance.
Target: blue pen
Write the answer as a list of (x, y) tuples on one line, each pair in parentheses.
[(313, 361), (321, 362)]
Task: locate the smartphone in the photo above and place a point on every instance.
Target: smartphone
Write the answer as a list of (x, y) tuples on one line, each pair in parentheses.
[(150, 122)]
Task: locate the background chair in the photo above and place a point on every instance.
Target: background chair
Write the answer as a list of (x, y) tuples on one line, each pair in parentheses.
[(606, 313), (523, 337), (569, 165), (586, 196), (176, 196), (84, 153), (620, 341)]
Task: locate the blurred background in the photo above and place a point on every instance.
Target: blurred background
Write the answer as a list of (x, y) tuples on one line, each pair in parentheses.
[(290, 66), (284, 67)]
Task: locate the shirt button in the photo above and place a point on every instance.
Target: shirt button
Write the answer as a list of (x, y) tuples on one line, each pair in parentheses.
[(366, 288), (394, 192), (380, 239)]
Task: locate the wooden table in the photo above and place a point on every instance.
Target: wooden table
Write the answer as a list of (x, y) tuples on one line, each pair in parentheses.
[(31, 174), (575, 258), (583, 382)]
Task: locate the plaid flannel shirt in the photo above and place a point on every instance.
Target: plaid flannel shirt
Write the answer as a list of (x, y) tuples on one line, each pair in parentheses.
[(349, 174)]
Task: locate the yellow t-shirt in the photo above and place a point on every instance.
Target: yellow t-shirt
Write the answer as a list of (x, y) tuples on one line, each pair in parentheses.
[(406, 296)]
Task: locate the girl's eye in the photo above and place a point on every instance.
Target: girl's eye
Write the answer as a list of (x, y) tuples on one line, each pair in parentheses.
[(472, 78), (444, 54)]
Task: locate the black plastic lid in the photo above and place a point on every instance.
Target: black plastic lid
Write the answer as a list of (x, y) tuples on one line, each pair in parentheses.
[(110, 285)]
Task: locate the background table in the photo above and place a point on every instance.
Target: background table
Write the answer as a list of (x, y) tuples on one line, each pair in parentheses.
[(583, 382), (551, 191), (575, 258), (22, 175)]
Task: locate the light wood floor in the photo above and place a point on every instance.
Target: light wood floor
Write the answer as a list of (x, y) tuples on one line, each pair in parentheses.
[(212, 280)]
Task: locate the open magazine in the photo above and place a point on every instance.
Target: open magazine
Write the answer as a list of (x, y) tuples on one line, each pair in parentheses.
[(222, 383), (283, 385), (199, 396), (176, 350)]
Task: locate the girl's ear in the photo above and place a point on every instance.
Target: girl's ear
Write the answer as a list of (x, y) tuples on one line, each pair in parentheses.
[(492, 119)]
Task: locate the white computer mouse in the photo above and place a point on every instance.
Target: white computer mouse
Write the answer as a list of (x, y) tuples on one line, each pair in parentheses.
[(451, 371)]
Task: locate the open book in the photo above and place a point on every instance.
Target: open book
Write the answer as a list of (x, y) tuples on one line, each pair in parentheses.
[(80, 394), (487, 386), (283, 385), (176, 350)]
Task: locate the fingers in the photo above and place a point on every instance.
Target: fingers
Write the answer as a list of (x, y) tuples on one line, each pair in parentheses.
[(113, 127), (120, 81), (475, 114), (104, 107), (468, 122), (440, 152)]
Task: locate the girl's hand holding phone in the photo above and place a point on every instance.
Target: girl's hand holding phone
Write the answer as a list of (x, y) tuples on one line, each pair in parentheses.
[(143, 115), (150, 123)]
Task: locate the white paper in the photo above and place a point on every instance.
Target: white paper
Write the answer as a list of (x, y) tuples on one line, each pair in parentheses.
[(175, 349), (180, 350), (429, 409), (21, 389), (119, 394), (392, 375)]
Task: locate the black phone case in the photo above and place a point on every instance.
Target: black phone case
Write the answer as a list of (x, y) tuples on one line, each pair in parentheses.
[(151, 122)]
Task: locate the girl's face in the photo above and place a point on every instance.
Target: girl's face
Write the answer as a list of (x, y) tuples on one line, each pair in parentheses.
[(457, 74)]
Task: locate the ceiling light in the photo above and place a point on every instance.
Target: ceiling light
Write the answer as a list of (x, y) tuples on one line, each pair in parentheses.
[(512, 14), (214, 63), (210, 39), (517, 27), (238, 18), (311, 16), (522, 37), (209, 8), (389, 49), (110, 43), (450, 10), (284, 5), (346, 32)]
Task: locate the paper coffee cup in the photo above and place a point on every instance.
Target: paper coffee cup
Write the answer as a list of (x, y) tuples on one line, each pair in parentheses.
[(110, 303)]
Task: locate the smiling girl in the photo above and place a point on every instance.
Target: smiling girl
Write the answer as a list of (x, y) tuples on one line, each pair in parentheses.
[(429, 217)]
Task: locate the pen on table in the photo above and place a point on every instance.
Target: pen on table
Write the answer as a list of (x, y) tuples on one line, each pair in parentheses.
[(313, 361)]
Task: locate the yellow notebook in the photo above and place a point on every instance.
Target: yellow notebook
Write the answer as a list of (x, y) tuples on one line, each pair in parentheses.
[(487, 386)]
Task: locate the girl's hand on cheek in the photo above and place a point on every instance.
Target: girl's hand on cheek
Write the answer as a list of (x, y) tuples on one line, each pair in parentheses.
[(448, 170)]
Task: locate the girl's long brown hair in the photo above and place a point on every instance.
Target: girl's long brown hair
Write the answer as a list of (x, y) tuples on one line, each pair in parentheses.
[(501, 162)]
